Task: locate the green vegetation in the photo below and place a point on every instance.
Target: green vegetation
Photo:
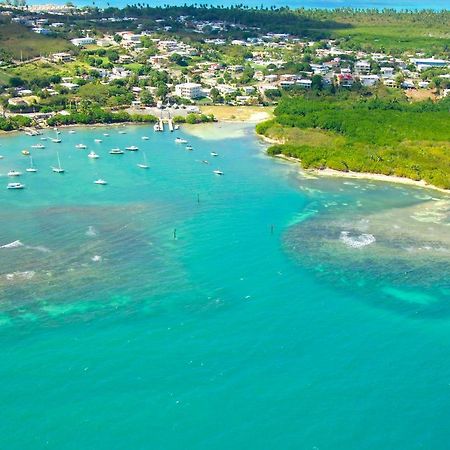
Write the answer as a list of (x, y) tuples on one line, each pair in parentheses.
[(14, 123), (98, 115), (388, 137), (195, 118), (18, 42)]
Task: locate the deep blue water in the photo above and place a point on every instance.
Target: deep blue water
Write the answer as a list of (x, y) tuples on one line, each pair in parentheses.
[(290, 311)]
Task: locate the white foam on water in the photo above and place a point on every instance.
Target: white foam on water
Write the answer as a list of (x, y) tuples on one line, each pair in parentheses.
[(91, 231), (96, 258), (14, 244), (39, 248), (360, 241), (27, 275)]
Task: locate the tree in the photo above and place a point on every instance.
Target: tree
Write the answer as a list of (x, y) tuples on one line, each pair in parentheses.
[(147, 98)]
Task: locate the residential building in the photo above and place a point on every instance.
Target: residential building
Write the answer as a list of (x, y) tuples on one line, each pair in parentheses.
[(189, 90)]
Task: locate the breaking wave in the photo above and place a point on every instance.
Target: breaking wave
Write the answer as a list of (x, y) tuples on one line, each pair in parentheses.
[(360, 241)]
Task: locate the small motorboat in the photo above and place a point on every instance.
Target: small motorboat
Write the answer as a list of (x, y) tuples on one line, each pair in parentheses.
[(81, 146), (218, 172), (43, 138), (145, 138), (40, 146), (214, 154), (122, 132), (116, 151), (14, 173), (56, 140), (176, 127), (205, 161), (15, 186), (25, 152), (132, 148), (93, 155), (71, 131), (189, 147), (105, 134), (180, 141), (98, 141), (1, 156), (100, 181)]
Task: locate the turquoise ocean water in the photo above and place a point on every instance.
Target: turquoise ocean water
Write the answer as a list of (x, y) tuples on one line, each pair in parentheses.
[(290, 312)]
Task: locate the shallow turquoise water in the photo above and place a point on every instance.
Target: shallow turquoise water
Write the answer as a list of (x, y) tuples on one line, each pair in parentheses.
[(290, 312)]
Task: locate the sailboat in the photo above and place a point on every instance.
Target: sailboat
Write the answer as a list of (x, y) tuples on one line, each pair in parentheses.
[(31, 168), (144, 165), (58, 169)]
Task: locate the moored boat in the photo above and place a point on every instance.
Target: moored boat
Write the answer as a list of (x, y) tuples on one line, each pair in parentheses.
[(15, 186), (116, 151), (100, 181), (81, 146), (218, 172), (14, 173), (132, 148), (93, 155)]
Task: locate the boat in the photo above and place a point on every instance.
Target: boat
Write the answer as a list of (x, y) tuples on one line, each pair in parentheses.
[(132, 148), (58, 169), (218, 172), (93, 155), (122, 132), (116, 151), (43, 138), (144, 165), (100, 181), (214, 154), (1, 156), (205, 161), (105, 134), (180, 141), (145, 138), (25, 152), (71, 131), (15, 186), (176, 127), (189, 147), (156, 127), (98, 141), (31, 169), (81, 146), (56, 140), (40, 146), (14, 173)]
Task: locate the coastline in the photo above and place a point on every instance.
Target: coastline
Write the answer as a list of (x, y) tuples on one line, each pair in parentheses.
[(327, 172)]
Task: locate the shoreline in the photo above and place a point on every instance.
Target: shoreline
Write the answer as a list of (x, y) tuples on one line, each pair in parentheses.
[(332, 173)]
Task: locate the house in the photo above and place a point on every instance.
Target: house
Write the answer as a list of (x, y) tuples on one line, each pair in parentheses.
[(345, 80), (368, 80), (248, 89), (426, 63), (362, 67), (271, 78), (389, 82), (408, 84), (387, 72), (304, 83), (80, 42), (189, 90), (61, 57), (70, 86), (423, 84), (43, 31)]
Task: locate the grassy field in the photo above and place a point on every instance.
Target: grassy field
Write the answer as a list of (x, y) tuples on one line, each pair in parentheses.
[(18, 41)]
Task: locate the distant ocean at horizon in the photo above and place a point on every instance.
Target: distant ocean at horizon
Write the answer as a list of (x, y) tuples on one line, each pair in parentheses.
[(326, 4)]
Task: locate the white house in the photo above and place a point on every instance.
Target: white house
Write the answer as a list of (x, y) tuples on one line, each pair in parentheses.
[(362, 67), (189, 90), (79, 42)]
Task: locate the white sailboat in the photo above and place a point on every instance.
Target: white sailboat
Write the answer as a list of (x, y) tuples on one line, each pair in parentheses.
[(100, 181), (81, 146), (31, 169), (218, 172), (58, 169), (144, 165)]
